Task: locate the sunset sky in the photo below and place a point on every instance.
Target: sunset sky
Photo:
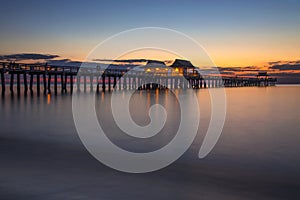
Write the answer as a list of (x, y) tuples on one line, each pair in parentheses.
[(234, 33)]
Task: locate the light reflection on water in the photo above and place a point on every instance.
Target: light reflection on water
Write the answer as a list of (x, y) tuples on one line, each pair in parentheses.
[(256, 156)]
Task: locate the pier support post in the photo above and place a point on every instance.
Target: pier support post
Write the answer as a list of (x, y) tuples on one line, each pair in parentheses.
[(55, 84), (3, 82), (176, 83), (109, 84), (91, 83), (49, 84), (115, 82), (38, 83), (124, 82), (31, 83), (129, 82), (18, 84), (103, 83), (72, 83), (62, 83), (78, 82), (120, 80), (45, 83), (25, 82), (65, 83), (84, 83), (12, 83), (98, 83)]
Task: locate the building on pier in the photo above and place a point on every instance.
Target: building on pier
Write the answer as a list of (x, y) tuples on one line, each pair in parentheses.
[(184, 67), (263, 78), (156, 67)]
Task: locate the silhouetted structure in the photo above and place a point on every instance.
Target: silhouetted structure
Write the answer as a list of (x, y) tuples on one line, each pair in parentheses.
[(53, 77), (263, 78), (183, 67)]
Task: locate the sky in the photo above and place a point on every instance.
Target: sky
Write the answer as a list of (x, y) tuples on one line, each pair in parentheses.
[(235, 33)]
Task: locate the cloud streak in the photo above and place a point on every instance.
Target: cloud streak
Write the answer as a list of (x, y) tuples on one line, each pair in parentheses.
[(122, 60), (130, 61), (285, 67), (27, 56)]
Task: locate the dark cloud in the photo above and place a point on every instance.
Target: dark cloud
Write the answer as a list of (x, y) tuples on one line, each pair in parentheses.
[(227, 72), (70, 63), (284, 62), (64, 62), (27, 56), (251, 68), (275, 62), (123, 61), (239, 69), (232, 69), (131, 61), (284, 74), (284, 67)]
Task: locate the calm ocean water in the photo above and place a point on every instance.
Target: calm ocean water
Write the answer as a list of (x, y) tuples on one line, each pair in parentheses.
[(256, 157)]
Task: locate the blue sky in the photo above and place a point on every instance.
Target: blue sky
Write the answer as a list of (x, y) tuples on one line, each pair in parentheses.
[(225, 28)]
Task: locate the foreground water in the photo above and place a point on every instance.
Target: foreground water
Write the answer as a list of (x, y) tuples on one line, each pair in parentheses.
[(256, 157)]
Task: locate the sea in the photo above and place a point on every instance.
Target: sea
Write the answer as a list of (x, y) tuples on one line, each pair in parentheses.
[(256, 156)]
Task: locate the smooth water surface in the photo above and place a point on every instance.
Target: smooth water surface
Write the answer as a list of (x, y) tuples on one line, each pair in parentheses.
[(256, 157)]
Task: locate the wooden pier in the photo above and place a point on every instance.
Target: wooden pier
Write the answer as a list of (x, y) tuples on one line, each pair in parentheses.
[(66, 78)]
